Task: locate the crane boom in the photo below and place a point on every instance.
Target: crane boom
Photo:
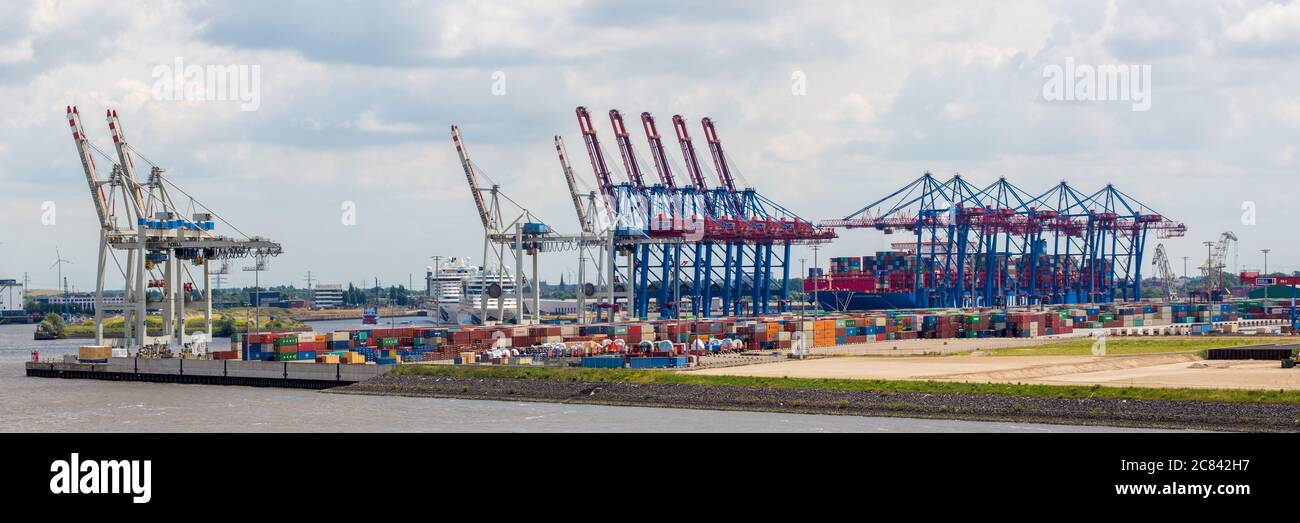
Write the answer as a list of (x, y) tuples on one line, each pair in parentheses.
[(657, 151), (692, 161), (88, 165), (583, 219), (472, 179), (593, 151), (688, 152), (124, 158), (719, 157), (625, 149), (720, 161)]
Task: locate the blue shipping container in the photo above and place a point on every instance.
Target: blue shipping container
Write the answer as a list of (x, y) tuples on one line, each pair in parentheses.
[(603, 362)]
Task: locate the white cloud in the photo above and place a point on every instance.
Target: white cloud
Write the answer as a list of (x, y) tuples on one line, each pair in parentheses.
[(856, 109), (1286, 156), (1272, 26), (370, 122)]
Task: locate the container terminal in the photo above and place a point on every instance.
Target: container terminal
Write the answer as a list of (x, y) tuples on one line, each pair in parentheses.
[(675, 275)]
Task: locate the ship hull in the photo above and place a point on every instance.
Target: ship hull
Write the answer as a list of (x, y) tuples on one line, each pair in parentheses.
[(843, 301), (467, 314)]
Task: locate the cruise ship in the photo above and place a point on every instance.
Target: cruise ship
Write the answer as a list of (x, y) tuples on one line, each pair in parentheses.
[(460, 289)]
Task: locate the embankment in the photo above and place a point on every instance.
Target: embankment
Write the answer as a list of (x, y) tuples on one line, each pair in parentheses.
[(1039, 407)]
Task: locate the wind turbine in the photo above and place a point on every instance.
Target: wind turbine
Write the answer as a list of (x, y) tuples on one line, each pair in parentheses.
[(59, 261)]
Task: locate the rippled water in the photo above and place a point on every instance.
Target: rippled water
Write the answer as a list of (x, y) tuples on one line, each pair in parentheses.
[(45, 404)]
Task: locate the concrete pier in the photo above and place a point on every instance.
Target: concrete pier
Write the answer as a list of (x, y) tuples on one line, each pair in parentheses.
[(213, 372)]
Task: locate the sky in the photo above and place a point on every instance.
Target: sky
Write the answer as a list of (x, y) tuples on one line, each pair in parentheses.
[(822, 106)]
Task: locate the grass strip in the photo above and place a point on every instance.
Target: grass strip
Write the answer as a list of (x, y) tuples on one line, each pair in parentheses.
[(851, 385)]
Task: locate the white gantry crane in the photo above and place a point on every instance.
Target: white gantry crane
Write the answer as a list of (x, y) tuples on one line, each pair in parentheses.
[(152, 229), (1165, 272), (525, 234), (596, 243), (1216, 260), (501, 241)]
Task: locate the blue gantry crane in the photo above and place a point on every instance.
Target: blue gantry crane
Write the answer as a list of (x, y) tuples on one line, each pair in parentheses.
[(691, 242), (1065, 246)]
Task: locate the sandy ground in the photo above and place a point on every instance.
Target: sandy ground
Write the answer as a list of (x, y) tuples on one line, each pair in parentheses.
[(1200, 374), (1157, 370)]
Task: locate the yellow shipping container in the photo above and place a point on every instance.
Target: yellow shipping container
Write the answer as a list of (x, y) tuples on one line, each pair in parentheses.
[(328, 358), (94, 352)]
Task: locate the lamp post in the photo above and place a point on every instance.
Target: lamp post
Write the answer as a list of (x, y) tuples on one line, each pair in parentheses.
[(816, 286), (1265, 251), (803, 275)]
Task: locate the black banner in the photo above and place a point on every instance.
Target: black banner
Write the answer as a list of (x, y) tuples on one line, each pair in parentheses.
[(158, 472)]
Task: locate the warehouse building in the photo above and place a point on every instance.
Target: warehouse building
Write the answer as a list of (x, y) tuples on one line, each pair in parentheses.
[(328, 296), (11, 298)]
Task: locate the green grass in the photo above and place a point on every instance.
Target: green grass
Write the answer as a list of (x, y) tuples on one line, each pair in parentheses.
[(880, 386), (1138, 345)]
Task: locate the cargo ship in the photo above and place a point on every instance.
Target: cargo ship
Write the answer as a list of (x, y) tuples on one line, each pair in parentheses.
[(855, 293), (888, 279), (883, 281)]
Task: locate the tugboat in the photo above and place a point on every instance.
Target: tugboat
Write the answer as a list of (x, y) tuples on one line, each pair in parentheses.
[(42, 334), (371, 317)]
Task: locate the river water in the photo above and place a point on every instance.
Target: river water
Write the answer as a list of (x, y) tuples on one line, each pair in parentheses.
[(56, 405)]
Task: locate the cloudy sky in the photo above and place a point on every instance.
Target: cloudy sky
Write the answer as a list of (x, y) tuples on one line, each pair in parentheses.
[(822, 106)]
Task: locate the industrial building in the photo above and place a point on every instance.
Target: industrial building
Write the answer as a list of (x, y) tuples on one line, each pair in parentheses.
[(86, 301), (328, 295), (264, 298), (11, 298)]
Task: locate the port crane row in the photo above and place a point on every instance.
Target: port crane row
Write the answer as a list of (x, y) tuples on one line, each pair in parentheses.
[(159, 233), (664, 246), (1069, 246)]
